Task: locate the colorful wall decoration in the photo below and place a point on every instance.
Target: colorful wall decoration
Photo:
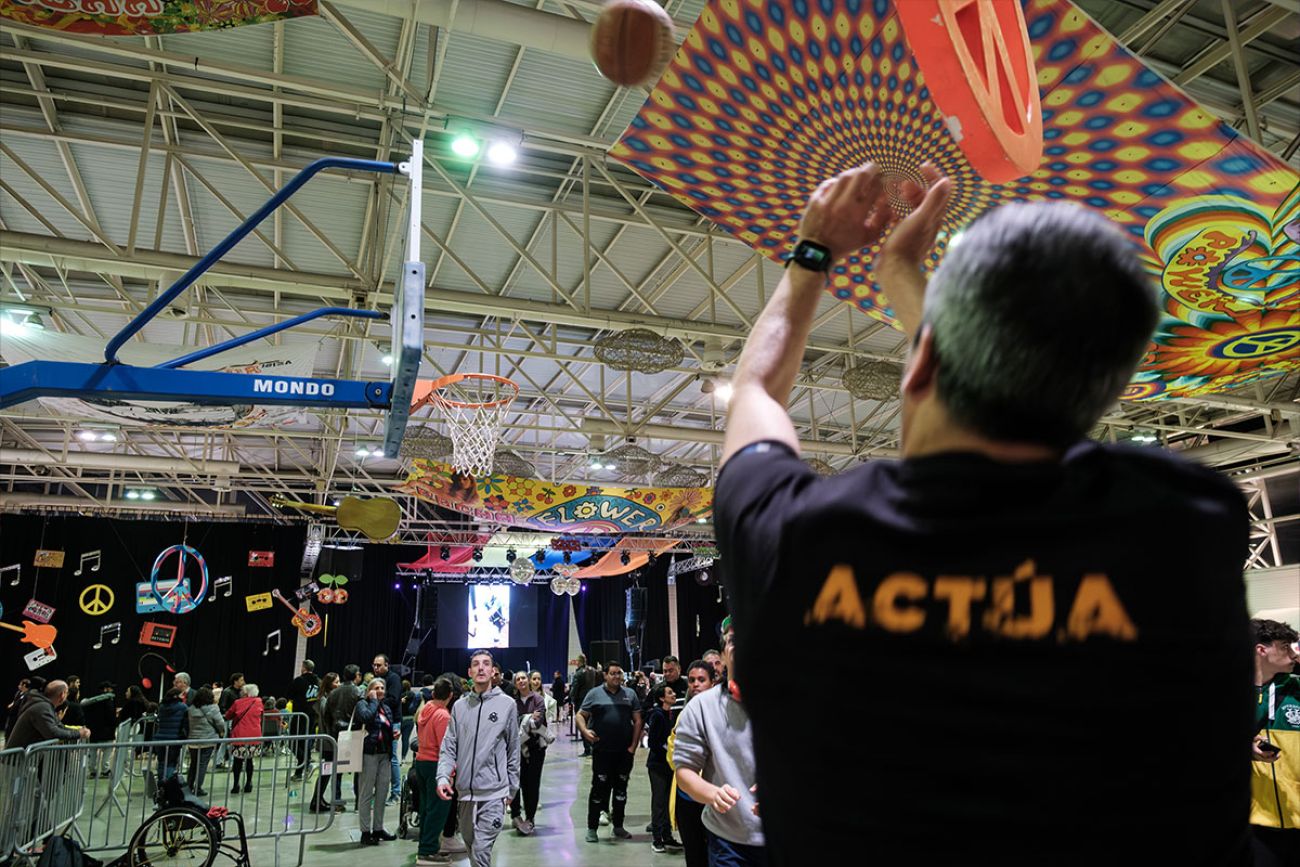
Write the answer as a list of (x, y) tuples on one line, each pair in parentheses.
[(764, 100), (574, 507), (149, 17)]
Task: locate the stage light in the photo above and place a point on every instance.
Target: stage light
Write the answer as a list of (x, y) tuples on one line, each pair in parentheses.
[(625, 558), (444, 552), (511, 556), (465, 145), (502, 153), (397, 585), (477, 555), (540, 556), (568, 556)]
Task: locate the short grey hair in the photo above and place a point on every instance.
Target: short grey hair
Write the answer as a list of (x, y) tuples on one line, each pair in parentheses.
[(180, 675), (251, 690), (1039, 319)]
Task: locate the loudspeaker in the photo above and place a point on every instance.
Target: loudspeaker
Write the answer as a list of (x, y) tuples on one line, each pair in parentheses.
[(636, 602), (607, 651)]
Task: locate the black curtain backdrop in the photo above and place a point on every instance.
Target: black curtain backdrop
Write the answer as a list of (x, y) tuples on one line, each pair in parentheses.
[(223, 637)]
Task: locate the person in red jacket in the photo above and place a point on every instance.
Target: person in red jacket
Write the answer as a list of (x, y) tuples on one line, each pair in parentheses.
[(246, 732)]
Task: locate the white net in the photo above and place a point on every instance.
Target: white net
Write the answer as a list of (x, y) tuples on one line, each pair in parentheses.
[(475, 428)]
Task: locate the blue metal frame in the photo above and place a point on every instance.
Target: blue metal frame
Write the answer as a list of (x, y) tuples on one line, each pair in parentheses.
[(228, 243), (124, 382), (168, 381)]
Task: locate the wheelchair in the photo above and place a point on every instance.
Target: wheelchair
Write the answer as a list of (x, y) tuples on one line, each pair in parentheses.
[(184, 830)]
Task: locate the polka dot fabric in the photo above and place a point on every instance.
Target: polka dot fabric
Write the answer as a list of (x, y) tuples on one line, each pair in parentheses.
[(764, 100)]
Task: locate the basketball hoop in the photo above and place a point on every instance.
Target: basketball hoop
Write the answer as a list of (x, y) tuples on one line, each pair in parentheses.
[(473, 405)]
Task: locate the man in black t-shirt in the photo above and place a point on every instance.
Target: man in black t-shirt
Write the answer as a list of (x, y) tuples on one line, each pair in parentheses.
[(1006, 591), (304, 692), (610, 720)]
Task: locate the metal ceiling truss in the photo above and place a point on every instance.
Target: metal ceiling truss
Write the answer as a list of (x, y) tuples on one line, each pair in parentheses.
[(205, 115)]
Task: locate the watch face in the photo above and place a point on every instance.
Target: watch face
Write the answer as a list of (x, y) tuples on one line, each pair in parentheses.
[(811, 256)]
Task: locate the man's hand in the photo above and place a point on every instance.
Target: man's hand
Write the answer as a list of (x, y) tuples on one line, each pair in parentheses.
[(724, 798), (445, 792), (84, 732), (590, 736), (754, 791), (846, 212), (898, 266), (1260, 755), (506, 800), (632, 749)]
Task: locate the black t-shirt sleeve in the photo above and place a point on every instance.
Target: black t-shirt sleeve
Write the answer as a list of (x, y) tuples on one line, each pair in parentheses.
[(757, 493)]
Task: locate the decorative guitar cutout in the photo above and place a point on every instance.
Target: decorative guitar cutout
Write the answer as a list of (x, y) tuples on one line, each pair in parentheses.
[(38, 634), (375, 519), (306, 622)]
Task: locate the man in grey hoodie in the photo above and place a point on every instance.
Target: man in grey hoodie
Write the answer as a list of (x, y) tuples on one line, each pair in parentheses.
[(481, 748), (713, 756)]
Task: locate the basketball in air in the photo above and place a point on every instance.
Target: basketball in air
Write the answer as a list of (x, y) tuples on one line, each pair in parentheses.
[(632, 42)]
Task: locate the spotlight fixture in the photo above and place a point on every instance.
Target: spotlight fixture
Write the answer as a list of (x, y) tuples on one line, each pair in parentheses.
[(477, 555), (465, 145), (625, 558), (511, 556), (502, 153), (568, 556), (540, 556), (444, 552)]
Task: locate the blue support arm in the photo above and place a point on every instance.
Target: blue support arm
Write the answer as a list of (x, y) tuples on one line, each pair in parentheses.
[(35, 379), (214, 255), (218, 348)]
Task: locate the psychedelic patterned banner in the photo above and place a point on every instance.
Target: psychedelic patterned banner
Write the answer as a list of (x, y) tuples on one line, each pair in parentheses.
[(149, 17), (572, 507), (766, 99)]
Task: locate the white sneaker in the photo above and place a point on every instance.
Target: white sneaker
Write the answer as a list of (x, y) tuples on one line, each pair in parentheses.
[(604, 818)]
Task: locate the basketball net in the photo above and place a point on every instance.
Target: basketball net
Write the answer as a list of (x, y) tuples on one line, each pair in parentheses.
[(474, 413)]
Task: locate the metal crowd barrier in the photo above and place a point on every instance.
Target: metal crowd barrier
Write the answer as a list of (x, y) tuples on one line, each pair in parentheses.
[(48, 795), (104, 812)]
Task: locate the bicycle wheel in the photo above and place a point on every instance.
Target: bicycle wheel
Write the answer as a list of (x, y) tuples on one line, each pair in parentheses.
[(174, 837)]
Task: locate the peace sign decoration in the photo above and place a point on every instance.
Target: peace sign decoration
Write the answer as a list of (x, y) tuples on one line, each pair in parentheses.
[(180, 597), (96, 599), (765, 100)]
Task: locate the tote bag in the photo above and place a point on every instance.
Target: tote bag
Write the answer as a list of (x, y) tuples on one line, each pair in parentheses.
[(347, 760)]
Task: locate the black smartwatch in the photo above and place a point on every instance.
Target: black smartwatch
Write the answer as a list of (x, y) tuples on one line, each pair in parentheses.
[(811, 255)]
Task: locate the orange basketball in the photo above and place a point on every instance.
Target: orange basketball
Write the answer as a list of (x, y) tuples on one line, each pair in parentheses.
[(632, 42)]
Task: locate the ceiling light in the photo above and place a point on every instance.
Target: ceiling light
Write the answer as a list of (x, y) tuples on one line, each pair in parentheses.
[(597, 465), (147, 495), (338, 502), (388, 360), (108, 437), (723, 392), (87, 436), (701, 520), (465, 145), (133, 495), (362, 452), (502, 153), (610, 467), (1143, 437)]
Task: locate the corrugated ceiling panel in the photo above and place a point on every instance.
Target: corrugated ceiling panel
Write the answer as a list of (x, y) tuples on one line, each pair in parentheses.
[(45, 162), (482, 247), (252, 46), (557, 93), (337, 210), (473, 73), (312, 42)]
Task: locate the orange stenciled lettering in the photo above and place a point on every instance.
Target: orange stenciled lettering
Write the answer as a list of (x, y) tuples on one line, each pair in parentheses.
[(1098, 611), (1190, 279), (1001, 615), (839, 600), (960, 591), (887, 611)]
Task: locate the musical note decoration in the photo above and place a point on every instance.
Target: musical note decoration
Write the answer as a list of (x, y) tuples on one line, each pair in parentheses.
[(47, 559), (113, 629), (17, 569), (224, 582), (273, 635), (94, 558)]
